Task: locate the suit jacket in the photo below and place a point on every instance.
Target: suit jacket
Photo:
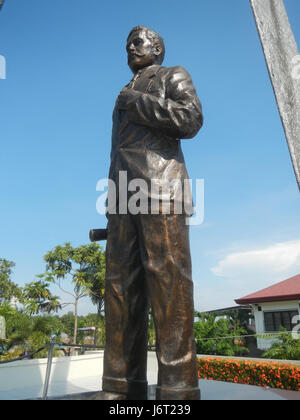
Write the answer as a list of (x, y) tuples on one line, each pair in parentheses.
[(161, 107)]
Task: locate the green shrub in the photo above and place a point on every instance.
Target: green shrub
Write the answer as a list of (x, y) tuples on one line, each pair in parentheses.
[(285, 347)]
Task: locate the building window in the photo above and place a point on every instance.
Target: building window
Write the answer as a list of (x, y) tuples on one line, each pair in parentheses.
[(275, 320)]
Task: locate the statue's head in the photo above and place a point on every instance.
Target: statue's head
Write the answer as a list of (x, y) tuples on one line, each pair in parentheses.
[(145, 47)]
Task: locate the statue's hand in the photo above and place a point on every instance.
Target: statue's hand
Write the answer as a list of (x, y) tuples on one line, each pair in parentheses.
[(126, 96)]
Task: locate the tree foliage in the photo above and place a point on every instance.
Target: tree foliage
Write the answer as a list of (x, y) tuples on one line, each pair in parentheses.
[(285, 347), (8, 289), (218, 336), (18, 325), (26, 333), (90, 320), (38, 298), (84, 266)]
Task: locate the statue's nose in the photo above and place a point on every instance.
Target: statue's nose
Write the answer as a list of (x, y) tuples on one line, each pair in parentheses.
[(131, 48)]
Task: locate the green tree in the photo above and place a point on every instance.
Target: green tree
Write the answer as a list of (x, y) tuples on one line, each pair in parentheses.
[(42, 329), (67, 321), (91, 260), (39, 299), (18, 327), (8, 289), (218, 336), (90, 320), (27, 333), (97, 321), (84, 266), (239, 318)]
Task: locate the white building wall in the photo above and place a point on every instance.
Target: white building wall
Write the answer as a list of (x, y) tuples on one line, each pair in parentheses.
[(264, 343)]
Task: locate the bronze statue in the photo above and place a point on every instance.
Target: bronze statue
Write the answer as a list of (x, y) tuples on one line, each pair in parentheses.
[(148, 255)]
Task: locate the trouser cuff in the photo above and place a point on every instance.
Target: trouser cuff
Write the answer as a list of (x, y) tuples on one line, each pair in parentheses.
[(163, 393), (133, 389)]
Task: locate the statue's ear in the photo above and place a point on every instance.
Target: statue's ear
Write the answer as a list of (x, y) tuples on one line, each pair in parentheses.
[(158, 49)]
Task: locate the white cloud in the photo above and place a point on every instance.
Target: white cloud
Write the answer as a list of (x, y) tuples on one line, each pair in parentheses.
[(275, 261), (240, 273)]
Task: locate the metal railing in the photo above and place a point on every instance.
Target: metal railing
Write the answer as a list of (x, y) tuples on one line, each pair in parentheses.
[(52, 346), (266, 335), (24, 356)]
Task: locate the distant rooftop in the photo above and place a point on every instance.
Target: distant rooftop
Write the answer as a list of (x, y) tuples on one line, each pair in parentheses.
[(285, 290), (227, 309)]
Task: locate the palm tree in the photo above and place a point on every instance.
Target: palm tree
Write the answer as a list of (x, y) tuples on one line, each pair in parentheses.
[(38, 298)]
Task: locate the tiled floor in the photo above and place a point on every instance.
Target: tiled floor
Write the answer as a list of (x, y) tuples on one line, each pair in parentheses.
[(212, 390), (220, 391)]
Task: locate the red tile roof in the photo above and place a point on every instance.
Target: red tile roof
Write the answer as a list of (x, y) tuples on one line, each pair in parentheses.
[(285, 290)]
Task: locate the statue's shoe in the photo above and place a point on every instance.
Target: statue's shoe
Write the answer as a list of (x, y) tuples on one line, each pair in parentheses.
[(106, 396)]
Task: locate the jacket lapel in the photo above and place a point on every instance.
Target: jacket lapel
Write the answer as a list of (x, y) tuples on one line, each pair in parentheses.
[(144, 81)]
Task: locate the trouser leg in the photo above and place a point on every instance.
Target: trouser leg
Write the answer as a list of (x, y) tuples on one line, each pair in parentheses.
[(126, 311), (167, 262)]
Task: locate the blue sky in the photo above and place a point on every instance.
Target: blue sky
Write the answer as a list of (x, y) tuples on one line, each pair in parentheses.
[(66, 63)]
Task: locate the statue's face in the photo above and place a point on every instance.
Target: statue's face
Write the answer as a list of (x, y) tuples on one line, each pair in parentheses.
[(141, 51)]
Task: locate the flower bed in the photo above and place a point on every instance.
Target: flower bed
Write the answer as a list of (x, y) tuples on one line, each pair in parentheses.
[(266, 374)]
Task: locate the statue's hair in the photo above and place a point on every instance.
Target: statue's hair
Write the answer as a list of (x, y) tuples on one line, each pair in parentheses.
[(153, 36)]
